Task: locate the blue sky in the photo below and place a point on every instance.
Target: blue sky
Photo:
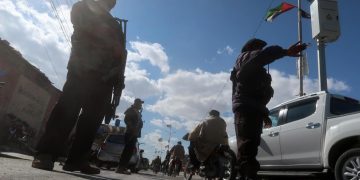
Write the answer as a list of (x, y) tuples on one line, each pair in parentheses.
[(181, 52)]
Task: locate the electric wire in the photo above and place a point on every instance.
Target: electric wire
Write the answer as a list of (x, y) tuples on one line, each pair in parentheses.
[(66, 26), (255, 32), (263, 19), (56, 14), (45, 48)]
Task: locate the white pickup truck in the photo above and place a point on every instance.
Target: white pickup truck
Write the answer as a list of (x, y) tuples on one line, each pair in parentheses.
[(316, 133)]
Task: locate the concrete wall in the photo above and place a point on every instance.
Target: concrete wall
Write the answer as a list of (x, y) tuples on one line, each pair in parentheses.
[(27, 93)]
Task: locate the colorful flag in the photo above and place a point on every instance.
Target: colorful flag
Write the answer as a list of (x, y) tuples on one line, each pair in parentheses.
[(283, 7), (304, 14)]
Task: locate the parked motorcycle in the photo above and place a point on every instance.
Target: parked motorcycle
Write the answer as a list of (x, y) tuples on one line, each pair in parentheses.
[(220, 164)]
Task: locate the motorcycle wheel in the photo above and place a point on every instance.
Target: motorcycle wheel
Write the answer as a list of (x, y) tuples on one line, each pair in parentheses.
[(229, 165)]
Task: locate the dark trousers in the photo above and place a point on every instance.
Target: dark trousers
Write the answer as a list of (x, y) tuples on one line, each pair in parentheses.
[(193, 159), (248, 127), (130, 143), (87, 95)]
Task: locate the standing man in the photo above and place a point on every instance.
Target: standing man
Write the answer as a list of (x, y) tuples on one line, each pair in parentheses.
[(251, 92), (97, 47), (134, 124)]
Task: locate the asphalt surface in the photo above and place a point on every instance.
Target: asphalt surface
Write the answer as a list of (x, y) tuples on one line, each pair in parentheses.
[(15, 166)]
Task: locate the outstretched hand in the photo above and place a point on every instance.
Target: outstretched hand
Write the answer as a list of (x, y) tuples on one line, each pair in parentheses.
[(295, 49)]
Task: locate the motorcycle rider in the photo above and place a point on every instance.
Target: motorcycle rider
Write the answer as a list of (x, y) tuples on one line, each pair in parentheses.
[(203, 141), (155, 164), (177, 154), (207, 136)]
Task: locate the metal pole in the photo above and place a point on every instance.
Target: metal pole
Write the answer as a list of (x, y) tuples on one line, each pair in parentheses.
[(169, 138), (322, 65), (300, 60)]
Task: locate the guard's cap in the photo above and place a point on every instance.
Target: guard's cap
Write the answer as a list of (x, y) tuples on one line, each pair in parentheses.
[(138, 101), (253, 44)]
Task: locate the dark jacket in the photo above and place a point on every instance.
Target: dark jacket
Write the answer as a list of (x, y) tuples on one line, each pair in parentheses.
[(251, 83), (96, 35), (133, 122)]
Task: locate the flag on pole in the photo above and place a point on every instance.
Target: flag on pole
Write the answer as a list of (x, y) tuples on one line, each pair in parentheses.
[(304, 14), (304, 67), (273, 13), (168, 125)]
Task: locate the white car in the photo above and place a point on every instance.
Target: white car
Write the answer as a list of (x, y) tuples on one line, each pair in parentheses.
[(111, 149), (314, 134)]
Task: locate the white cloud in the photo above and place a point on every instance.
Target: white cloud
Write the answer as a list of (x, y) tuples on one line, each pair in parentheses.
[(287, 86), (189, 95), (166, 121), (228, 50), (37, 35), (153, 52)]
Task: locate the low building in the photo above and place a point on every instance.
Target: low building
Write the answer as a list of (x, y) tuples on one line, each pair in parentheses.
[(26, 94)]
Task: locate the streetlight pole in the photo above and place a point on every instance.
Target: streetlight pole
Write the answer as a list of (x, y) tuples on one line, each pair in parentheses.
[(169, 126)]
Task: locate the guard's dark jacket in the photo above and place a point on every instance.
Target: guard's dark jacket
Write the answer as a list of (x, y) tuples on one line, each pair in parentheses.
[(96, 35), (251, 83)]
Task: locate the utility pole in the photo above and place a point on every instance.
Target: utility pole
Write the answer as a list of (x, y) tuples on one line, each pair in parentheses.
[(321, 65), (325, 28), (169, 126), (300, 60)]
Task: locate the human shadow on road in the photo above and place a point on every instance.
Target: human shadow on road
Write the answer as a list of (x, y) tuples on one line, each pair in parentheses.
[(86, 176)]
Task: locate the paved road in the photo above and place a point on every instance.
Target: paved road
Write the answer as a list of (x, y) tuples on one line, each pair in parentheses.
[(14, 166)]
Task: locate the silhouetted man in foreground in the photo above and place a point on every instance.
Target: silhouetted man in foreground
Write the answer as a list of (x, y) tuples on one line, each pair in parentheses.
[(97, 47)]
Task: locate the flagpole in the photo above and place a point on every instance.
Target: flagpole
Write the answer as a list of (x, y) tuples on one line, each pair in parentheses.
[(300, 60)]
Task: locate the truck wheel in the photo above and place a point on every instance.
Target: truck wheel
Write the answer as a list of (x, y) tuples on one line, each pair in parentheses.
[(348, 165)]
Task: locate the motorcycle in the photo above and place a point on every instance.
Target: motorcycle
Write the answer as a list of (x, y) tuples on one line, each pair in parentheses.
[(220, 164), (174, 166)]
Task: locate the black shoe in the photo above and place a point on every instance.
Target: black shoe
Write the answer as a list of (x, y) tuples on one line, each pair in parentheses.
[(43, 161), (84, 168)]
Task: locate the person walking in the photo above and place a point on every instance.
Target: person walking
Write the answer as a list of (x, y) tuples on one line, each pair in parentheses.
[(134, 124), (251, 91)]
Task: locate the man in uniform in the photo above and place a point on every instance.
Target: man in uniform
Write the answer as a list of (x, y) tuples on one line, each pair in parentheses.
[(251, 92), (97, 47)]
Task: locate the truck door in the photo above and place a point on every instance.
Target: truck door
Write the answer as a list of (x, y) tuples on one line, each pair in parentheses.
[(269, 154), (300, 135)]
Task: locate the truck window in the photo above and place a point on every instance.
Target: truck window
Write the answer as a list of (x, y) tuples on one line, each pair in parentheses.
[(340, 106), (300, 111), (274, 116)]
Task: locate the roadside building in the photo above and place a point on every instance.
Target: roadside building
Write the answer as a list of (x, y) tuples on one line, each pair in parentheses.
[(26, 94)]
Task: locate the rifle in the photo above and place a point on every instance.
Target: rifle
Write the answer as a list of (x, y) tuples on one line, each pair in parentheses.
[(119, 82)]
